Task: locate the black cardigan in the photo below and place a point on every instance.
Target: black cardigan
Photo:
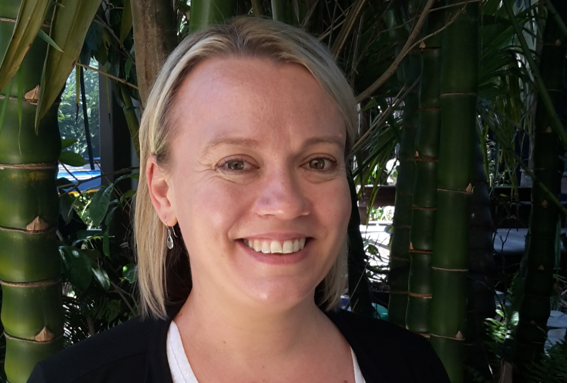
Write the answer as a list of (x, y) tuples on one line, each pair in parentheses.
[(136, 352)]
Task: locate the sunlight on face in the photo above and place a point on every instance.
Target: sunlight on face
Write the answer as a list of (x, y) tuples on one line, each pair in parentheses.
[(258, 180)]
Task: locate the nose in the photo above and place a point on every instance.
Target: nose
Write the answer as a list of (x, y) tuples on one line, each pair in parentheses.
[(281, 195)]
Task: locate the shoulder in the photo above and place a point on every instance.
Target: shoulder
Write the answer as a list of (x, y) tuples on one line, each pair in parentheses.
[(119, 354), (385, 349)]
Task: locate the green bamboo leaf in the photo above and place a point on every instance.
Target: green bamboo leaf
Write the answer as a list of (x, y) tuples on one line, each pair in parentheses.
[(72, 159), (44, 36), (126, 25), (5, 104), (20, 79), (31, 15), (69, 28), (99, 205), (66, 142)]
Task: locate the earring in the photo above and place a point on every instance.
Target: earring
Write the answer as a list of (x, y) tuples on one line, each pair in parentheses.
[(169, 241)]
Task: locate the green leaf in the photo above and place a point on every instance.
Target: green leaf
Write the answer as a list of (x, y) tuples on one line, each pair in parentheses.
[(129, 194), (47, 39), (20, 79), (72, 159), (5, 104), (78, 267), (67, 202), (66, 142), (126, 25), (101, 278), (129, 272), (31, 15), (99, 205)]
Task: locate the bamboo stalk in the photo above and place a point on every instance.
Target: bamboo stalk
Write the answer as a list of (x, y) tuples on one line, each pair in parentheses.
[(544, 228), (425, 188), (450, 262), (400, 243), (277, 10), (543, 92), (32, 313)]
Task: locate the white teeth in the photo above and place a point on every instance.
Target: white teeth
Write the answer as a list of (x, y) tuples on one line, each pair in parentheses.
[(288, 247), (265, 247), (296, 246), (275, 247)]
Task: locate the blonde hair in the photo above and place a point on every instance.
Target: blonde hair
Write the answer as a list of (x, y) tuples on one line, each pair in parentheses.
[(163, 275)]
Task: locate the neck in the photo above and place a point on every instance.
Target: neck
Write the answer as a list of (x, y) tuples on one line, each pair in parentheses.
[(254, 333)]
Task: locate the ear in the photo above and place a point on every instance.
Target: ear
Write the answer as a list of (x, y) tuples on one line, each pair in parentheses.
[(160, 193)]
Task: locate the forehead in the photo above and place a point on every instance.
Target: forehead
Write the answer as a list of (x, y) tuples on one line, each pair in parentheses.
[(250, 94)]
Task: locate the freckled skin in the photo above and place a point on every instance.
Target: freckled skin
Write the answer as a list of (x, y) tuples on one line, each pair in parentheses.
[(258, 149)]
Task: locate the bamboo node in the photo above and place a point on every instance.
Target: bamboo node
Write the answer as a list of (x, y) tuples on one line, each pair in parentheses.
[(422, 45), (33, 96), (411, 246), (44, 335), (449, 337), (38, 224), (423, 296), (469, 188)]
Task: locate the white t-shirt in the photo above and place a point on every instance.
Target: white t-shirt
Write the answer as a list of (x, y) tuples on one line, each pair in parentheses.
[(180, 368)]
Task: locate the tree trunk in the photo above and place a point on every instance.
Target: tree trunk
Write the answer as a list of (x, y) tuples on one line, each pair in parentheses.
[(424, 194), (32, 313), (155, 35), (544, 228), (399, 256), (459, 83)]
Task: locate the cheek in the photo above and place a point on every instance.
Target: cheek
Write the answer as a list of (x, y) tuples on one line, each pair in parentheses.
[(333, 205), (209, 207)]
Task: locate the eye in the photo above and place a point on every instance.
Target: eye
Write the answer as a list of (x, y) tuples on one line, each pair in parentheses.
[(322, 164), (317, 163), (235, 165)]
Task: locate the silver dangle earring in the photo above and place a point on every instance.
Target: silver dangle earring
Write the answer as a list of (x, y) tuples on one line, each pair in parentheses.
[(169, 241)]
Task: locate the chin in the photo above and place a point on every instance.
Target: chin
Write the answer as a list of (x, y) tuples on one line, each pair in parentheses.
[(276, 296)]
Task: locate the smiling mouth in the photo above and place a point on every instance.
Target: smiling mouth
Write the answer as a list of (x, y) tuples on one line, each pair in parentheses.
[(274, 246)]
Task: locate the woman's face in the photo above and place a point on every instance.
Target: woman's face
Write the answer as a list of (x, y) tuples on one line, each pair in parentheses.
[(257, 168)]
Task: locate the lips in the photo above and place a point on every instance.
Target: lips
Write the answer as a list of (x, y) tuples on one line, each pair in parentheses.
[(268, 246)]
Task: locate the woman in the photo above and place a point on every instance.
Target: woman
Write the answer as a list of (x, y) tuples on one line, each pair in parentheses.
[(243, 190)]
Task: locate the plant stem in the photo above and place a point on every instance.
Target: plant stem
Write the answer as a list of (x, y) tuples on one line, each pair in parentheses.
[(404, 51), (557, 124), (277, 10)]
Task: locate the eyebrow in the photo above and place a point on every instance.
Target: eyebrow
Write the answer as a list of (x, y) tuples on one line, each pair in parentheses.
[(250, 143)]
